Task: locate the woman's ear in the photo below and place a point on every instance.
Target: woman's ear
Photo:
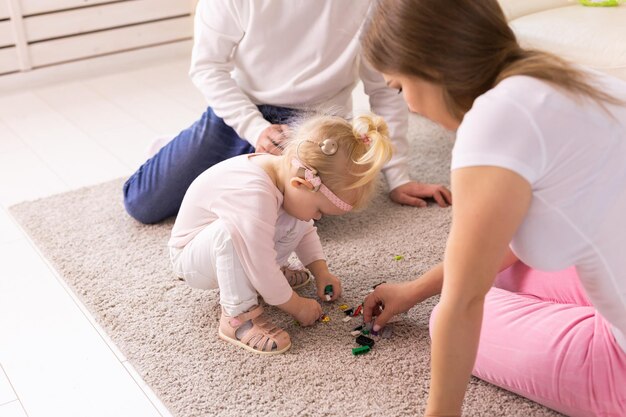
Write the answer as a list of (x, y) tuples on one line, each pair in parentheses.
[(299, 182)]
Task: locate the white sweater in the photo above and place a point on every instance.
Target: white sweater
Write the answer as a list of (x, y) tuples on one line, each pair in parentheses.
[(301, 54)]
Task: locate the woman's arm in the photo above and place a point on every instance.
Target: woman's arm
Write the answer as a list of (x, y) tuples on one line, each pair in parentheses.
[(401, 297), (490, 204)]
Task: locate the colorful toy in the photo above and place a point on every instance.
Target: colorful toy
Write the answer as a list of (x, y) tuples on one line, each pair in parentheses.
[(365, 341), (360, 350), (398, 258), (328, 292), (600, 3)]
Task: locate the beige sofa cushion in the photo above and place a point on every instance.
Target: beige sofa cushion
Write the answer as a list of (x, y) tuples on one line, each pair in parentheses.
[(517, 8), (592, 36)]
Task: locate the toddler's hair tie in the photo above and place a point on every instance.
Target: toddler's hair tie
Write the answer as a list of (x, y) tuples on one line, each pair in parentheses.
[(365, 139)]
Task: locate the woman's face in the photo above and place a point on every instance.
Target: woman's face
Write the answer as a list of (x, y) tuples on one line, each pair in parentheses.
[(424, 98)]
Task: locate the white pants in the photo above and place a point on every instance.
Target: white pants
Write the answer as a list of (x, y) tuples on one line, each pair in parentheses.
[(209, 261)]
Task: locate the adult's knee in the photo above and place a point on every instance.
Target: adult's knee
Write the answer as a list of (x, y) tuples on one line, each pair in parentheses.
[(138, 207), (431, 321)]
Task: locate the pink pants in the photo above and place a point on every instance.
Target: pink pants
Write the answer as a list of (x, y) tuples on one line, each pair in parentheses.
[(542, 339)]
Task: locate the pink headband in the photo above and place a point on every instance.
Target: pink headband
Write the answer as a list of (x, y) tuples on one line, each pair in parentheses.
[(316, 182)]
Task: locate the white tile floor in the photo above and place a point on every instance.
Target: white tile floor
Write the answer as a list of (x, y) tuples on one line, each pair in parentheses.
[(55, 137), (54, 359)]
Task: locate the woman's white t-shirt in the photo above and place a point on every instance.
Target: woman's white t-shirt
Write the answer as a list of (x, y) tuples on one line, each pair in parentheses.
[(572, 151)]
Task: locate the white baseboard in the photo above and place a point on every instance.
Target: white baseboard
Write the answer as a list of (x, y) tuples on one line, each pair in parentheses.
[(93, 67)]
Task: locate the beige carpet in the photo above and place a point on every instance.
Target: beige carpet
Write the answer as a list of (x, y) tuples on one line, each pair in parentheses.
[(120, 270)]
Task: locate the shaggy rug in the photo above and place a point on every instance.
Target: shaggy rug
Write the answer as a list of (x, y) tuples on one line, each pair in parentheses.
[(120, 270)]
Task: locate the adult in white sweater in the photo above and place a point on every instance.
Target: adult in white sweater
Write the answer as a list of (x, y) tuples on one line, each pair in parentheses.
[(260, 64)]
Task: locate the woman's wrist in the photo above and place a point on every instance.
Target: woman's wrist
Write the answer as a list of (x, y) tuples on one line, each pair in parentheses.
[(427, 285)]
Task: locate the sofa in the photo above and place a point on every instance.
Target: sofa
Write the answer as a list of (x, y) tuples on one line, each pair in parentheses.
[(591, 36)]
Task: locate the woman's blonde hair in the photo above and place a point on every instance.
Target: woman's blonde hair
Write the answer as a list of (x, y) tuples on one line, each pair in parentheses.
[(363, 148), (465, 46)]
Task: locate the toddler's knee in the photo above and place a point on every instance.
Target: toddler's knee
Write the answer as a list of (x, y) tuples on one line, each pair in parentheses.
[(196, 280)]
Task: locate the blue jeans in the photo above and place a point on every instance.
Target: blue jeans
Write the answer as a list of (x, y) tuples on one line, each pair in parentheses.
[(156, 190)]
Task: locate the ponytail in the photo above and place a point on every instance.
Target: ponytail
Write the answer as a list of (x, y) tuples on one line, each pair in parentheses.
[(372, 133)]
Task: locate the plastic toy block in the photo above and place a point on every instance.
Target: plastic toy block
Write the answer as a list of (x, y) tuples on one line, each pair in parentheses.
[(355, 332), (359, 328), (360, 350), (387, 332), (398, 258), (600, 3), (365, 331), (364, 341), (344, 307), (349, 311), (347, 319), (374, 332), (328, 292), (357, 311), (324, 318)]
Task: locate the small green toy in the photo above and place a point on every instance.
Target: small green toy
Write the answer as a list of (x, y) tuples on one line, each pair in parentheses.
[(600, 3), (398, 258), (328, 292), (360, 350)]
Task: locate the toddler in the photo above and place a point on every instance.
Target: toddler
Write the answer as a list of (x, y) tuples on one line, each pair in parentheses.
[(241, 219)]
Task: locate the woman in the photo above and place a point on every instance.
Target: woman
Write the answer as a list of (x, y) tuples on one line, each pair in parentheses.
[(539, 175)]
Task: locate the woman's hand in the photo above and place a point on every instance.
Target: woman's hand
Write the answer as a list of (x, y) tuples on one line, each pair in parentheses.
[(387, 300)]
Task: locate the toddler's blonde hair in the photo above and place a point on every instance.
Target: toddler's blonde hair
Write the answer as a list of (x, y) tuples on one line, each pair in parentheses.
[(363, 148)]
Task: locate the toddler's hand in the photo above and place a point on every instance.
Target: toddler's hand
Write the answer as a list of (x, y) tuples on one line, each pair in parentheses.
[(321, 281), (308, 311)]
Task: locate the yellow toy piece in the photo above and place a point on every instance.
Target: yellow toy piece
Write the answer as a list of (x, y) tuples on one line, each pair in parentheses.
[(600, 3)]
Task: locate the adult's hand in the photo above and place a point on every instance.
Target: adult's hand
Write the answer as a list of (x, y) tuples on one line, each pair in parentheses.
[(412, 194), (387, 300), (271, 139)]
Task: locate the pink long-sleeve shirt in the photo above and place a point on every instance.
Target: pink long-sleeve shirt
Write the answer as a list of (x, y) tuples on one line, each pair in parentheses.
[(244, 197)]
